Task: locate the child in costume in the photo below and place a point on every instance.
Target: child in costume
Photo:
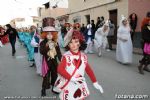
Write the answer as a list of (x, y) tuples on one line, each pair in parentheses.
[(72, 67), (124, 47), (100, 40), (50, 50), (35, 42)]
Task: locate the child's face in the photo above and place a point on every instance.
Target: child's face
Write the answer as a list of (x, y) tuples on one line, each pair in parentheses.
[(49, 36), (74, 45), (125, 22)]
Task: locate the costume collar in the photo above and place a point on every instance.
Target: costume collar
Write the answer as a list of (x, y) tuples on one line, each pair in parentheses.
[(75, 53)]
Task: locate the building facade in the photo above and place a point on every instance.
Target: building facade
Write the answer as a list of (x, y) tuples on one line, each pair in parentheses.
[(83, 10), (51, 11)]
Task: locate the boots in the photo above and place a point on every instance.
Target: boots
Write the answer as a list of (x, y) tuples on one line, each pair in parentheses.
[(140, 67), (43, 92), (146, 68)]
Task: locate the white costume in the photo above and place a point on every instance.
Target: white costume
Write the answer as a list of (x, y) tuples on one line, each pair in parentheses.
[(100, 40), (37, 55), (68, 91), (124, 44), (71, 81)]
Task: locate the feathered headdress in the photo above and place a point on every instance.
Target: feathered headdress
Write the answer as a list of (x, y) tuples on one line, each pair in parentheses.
[(72, 34)]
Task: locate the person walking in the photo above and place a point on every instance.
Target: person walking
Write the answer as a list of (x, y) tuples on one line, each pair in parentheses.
[(50, 50), (124, 43), (145, 61), (89, 36), (100, 40), (110, 35), (72, 68), (12, 32), (35, 42)]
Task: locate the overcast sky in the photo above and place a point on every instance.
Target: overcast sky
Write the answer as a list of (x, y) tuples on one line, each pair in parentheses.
[(10, 9)]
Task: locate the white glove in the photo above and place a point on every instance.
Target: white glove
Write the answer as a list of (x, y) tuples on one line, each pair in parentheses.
[(99, 87)]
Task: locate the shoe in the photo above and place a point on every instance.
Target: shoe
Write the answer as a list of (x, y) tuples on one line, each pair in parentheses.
[(43, 92), (32, 65), (141, 69), (13, 54), (99, 54), (108, 50), (146, 69), (54, 91)]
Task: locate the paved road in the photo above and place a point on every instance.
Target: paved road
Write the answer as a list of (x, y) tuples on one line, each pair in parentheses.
[(18, 79)]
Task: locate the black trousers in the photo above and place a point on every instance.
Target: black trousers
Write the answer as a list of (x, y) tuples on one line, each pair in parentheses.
[(12, 42), (132, 34), (110, 39), (50, 77)]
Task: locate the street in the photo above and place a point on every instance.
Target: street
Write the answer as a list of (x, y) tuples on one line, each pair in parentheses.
[(18, 79)]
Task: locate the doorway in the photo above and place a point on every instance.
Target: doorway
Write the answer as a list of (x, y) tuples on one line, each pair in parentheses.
[(87, 18), (113, 16)]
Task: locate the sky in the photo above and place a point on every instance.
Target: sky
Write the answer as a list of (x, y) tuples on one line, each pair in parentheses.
[(10, 9)]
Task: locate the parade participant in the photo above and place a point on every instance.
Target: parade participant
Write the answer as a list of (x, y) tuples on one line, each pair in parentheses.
[(64, 29), (124, 44), (50, 50), (30, 47), (12, 32), (35, 42), (89, 36), (2, 30), (72, 68), (145, 61), (100, 40)]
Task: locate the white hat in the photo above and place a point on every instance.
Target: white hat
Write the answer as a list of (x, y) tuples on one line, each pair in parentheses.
[(49, 29), (123, 17), (106, 23)]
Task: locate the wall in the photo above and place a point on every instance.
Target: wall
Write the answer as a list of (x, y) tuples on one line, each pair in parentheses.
[(53, 12), (102, 10), (77, 5), (140, 7)]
